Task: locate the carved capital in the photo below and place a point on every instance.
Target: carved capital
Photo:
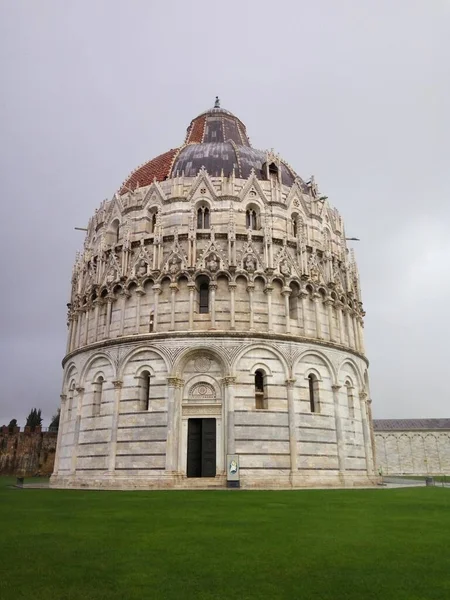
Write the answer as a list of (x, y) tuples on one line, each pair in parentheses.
[(157, 288), (290, 383), (191, 286), (232, 285), (117, 383), (175, 382), (229, 380), (212, 285), (336, 388), (174, 287), (79, 389), (268, 289), (363, 396), (286, 291), (63, 397)]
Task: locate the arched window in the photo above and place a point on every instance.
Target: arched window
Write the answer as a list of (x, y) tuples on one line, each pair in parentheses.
[(70, 396), (153, 225), (294, 300), (260, 389), (251, 219), (98, 391), (203, 217), (313, 384), (114, 232), (151, 324), (294, 226), (350, 400), (273, 172), (145, 390), (203, 298)]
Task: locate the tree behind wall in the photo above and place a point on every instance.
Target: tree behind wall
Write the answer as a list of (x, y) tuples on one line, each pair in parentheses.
[(12, 425), (54, 425), (34, 419)]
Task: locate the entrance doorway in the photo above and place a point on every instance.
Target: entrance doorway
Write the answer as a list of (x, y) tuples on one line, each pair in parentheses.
[(201, 448)]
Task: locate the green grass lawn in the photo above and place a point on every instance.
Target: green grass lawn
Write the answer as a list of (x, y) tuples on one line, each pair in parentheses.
[(67, 545)]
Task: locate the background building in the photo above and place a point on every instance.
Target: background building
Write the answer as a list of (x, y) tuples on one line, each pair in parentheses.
[(215, 311)]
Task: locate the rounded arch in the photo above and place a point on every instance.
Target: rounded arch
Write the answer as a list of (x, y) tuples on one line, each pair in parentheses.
[(316, 354), (243, 275), (202, 202), (354, 368), (277, 279), (313, 371), (142, 369), (223, 273), (134, 351), (262, 277), (99, 374), (261, 366), (260, 345), (186, 355), (70, 372), (93, 358), (201, 378)]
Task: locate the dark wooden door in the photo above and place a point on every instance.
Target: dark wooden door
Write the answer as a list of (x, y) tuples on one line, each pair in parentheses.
[(208, 447), (194, 448), (201, 450)]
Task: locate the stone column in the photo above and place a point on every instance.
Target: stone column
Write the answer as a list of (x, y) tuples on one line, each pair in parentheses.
[(229, 383), (292, 426), (340, 310), (173, 290), (108, 317), (96, 304), (250, 290), (303, 295), (286, 293), (69, 335), (76, 435), (360, 324), (124, 296), (79, 327), (173, 423), (268, 291), (191, 287), (86, 325), (366, 432), (347, 320), (339, 429), (115, 422), (329, 305), (156, 291), (62, 418), (232, 288), (316, 298), (355, 330), (139, 293), (212, 303)]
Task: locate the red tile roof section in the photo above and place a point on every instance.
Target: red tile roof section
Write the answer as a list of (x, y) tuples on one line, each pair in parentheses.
[(158, 168), (196, 131)]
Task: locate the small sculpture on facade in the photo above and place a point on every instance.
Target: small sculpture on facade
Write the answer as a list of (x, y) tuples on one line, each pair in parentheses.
[(285, 269), (174, 266), (212, 263), (250, 263), (142, 268)]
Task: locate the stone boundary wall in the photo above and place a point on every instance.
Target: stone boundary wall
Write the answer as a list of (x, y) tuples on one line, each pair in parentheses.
[(412, 452), (27, 453)]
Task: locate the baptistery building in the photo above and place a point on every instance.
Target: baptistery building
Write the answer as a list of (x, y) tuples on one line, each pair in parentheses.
[(215, 329)]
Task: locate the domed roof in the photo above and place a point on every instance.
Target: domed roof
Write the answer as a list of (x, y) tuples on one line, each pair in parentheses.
[(217, 140)]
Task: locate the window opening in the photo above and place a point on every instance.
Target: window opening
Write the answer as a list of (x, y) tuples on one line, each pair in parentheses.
[(260, 390)]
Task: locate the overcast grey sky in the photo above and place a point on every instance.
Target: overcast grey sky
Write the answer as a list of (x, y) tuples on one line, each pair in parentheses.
[(354, 92)]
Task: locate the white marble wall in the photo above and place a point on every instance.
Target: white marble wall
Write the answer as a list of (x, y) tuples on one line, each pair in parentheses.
[(413, 452), (122, 444)]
